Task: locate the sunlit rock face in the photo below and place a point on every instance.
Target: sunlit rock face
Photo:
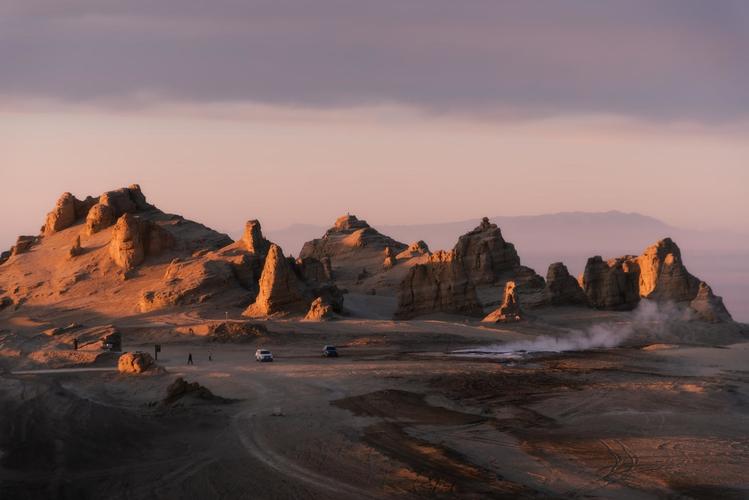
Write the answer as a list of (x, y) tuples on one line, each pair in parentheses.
[(663, 275), (658, 274), (509, 311), (281, 292), (134, 238), (440, 285)]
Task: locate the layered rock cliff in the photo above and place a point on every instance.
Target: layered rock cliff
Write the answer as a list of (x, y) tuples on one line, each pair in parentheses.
[(440, 285), (657, 274)]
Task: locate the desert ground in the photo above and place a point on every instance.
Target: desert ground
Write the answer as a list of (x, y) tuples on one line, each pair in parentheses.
[(397, 415)]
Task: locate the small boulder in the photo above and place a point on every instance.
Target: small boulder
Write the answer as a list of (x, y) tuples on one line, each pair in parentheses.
[(136, 362)]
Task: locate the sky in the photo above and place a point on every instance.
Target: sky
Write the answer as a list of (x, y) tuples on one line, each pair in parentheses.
[(400, 111)]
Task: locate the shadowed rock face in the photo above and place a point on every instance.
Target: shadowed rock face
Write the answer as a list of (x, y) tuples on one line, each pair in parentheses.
[(440, 285), (509, 311), (658, 274), (562, 288), (708, 306), (281, 291), (612, 284), (485, 255)]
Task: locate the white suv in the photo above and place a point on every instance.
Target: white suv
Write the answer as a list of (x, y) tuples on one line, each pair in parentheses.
[(263, 355)]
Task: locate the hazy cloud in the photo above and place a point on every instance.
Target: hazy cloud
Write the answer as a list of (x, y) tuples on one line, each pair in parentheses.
[(675, 59)]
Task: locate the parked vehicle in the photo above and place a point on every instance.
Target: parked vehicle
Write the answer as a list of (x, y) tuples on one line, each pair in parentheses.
[(263, 355), (329, 351)]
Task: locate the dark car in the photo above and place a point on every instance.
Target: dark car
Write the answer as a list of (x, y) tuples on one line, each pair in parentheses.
[(329, 351)]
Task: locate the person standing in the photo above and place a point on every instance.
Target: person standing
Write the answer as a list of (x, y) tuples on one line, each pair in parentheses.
[(75, 344), (189, 358)]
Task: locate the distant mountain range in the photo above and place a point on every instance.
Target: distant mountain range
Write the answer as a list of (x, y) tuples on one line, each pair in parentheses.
[(720, 257)]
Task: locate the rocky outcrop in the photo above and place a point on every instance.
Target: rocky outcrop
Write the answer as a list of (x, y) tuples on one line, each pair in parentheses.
[(313, 270), (562, 288), (136, 362), (351, 244), (509, 311), (127, 247), (440, 285), (24, 244), (320, 310), (485, 255), (66, 212), (390, 259), (415, 249), (76, 249), (658, 274), (709, 307), (134, 238), (280, 290), (99, 213), (253, 239), (188, 282), (236, 332), (101, 216), (663, 275), (182, 389), (612, 284)]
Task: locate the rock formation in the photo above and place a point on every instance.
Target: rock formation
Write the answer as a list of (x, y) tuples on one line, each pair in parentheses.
[(76, 249), (99, 217), (415, 249), (440, 285), (612, 284), (188, 282), (562, 288), (23, 245), (280, 290), (485, 254), (66, 212), (180, 389), (313, 270), (134, 238), (663, 275), (136, 362), (351, 245), (658, 274), (320, 310), (708, 306), (390, 259), (509, 311), (253, 238)]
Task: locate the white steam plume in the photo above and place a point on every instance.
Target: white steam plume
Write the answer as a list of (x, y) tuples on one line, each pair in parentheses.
[(648, 316)]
